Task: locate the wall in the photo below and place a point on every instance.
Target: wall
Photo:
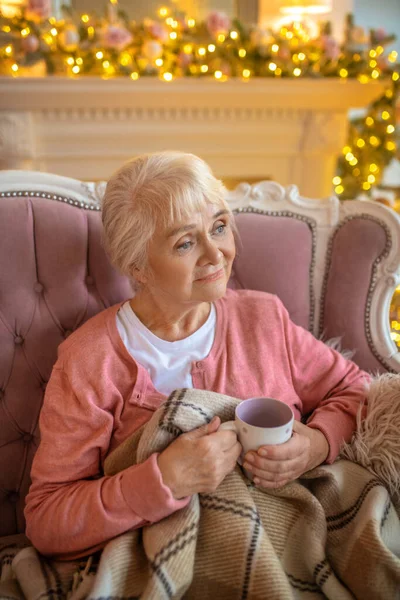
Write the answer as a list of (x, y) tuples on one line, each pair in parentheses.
[(384, 14)]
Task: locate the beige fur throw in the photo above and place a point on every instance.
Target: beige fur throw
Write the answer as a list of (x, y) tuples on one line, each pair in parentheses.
[(376, 444)]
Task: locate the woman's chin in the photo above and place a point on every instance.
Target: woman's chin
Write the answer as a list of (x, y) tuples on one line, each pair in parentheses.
[(212, 291)]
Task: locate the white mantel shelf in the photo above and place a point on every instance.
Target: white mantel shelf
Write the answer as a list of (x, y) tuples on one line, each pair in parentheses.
[(289, 130)]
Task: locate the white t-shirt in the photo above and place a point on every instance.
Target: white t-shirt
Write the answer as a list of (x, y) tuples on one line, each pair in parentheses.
[(169, 363)]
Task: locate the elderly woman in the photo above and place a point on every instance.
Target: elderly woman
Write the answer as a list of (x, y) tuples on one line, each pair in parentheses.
[(168, 227)]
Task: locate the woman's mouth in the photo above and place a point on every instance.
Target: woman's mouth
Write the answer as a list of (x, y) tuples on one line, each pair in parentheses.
[(212, 277)]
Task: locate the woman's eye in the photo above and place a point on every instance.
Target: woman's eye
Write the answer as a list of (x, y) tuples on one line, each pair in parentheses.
[(184, 246), (220, 229)]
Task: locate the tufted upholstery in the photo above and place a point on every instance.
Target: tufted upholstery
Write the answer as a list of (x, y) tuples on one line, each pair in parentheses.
[(54, 275)]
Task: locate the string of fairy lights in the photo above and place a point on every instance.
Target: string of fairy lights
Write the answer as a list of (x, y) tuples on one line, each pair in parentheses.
[(174, 45)]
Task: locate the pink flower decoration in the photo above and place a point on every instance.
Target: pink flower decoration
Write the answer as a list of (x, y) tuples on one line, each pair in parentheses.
[(156, 30), (184, 60), (116, 37), (380, 34), (330, 47), (218, 22), (30, 43), (38, 9)]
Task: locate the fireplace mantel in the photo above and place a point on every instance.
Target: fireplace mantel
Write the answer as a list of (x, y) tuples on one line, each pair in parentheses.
[(289, 130)]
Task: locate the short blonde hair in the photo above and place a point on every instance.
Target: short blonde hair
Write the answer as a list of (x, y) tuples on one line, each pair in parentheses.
[(160, 188)]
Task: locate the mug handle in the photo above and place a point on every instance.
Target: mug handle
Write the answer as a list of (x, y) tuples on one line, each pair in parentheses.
[(231, 426)]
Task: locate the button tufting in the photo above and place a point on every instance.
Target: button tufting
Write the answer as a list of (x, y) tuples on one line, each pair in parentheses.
[(13, 497), (38, 287), (27, 438), (18, 340), (89, 280), (67, 333)]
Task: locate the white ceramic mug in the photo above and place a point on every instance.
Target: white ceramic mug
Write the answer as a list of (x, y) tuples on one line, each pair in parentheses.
[(260, 422)]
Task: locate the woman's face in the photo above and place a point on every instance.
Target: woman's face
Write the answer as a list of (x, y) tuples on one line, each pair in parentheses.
[(191, 261)]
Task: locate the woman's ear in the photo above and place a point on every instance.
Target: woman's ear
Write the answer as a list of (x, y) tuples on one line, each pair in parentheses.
[(139, 275)]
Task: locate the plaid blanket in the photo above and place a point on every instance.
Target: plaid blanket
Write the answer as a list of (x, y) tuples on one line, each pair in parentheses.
[(333, 534)]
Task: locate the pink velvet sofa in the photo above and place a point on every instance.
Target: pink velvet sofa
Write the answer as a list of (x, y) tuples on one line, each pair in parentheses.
[(335, 266)]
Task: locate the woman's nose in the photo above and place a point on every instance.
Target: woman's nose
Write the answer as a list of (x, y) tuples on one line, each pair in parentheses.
[(212, 254)]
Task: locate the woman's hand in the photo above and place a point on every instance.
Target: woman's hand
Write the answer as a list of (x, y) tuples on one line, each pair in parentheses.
[(199, 460), (274, 466)]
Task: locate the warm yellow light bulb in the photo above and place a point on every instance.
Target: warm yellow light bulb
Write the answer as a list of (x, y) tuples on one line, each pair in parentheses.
[(246, 73), (374, 141), (8, 50), (360, 143), (301, 56), (369, 121), (173, 35), (353, 162), (385, 115), (272, 66), (297, 72), (201, 51), (336, 180), (372, 64), (373, 168), (371, 178), (218, 74), (339, 189), (167, 76), (25, 32), (242, 52), (275, 48), (70, 61), (366, 185), (393, 56), (211, 47), (395, 76), (106, 64), (375, 74), (346, 149), (390, 128), (204, 68), (372, 53), (76, 69), (221, 38), (163, 12), (343, 72), (99, 55), (14, 67), (134, 75), (234, 35), (390, 146), (79, 61), (191, 22), (159, 62), (85, 18), (349, 156), (53, 31)]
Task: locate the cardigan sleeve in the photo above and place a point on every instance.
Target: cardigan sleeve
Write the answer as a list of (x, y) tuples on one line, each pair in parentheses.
[(72, 508), (330, 387)]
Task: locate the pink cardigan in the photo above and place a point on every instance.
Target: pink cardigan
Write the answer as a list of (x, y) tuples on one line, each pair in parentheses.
[(98, 395)]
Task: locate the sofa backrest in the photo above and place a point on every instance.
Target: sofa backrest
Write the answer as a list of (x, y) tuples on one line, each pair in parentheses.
[(326, 262)]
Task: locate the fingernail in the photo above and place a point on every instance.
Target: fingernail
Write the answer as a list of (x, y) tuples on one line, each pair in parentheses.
[(263, 452), (250, 458)]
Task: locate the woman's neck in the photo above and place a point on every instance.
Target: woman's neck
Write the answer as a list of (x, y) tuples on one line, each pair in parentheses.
[(166, 322)]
